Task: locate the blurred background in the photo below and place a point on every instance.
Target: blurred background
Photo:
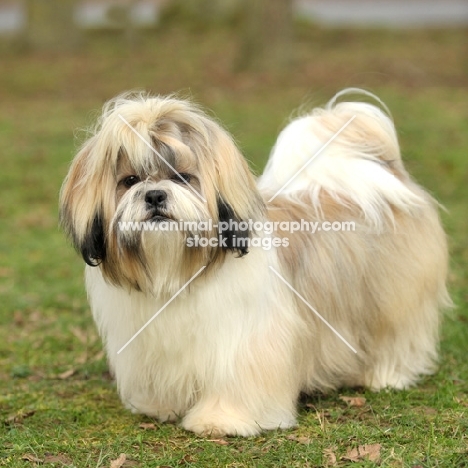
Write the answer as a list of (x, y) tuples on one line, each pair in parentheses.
[(252, 63)]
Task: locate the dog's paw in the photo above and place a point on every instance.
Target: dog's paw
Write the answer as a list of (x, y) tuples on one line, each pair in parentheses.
[(166, 416), (215, 428), (389, 380), (218, 423), (161, 414)]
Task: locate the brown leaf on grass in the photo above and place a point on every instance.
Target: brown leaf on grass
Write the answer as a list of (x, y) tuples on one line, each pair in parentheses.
[(67, 374), (57, 459), (18, 418), (363, 452), (127, 463), (219, 441), (330, 457), (119, 462), (147, 426), (31, 458), (187, 460), (299, 439), (354, 401)]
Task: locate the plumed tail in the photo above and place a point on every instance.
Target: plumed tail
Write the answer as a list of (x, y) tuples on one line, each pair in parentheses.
[(350, 151)]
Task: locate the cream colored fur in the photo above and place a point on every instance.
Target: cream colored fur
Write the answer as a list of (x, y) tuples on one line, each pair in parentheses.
[(231, 353)]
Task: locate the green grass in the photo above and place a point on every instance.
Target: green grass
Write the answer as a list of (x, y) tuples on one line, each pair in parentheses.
[(57, 402)]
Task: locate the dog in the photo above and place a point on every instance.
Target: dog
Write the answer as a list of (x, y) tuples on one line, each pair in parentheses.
[(222, 324)]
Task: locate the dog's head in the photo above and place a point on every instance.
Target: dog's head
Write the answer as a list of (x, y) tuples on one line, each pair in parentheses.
[(153, 163)]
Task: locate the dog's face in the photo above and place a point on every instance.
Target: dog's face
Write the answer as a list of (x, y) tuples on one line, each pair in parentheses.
[(155, 160)]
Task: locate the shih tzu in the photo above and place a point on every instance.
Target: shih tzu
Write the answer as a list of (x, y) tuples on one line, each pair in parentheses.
[(252, 306)]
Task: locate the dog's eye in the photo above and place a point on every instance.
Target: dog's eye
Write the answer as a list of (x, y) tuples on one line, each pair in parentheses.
[(181, 177), (130, 180)]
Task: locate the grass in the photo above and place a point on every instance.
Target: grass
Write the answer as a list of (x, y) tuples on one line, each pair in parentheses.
[(58, 406)]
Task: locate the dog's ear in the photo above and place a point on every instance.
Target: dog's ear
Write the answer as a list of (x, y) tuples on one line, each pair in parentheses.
[(232, 234), (93, 246), (235, 180), (235, 190), (81, 208)]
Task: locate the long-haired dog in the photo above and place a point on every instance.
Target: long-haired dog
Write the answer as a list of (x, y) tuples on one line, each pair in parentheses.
[(246, 318)]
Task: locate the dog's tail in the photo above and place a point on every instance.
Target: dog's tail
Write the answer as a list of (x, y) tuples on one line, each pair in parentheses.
[(349, 150)]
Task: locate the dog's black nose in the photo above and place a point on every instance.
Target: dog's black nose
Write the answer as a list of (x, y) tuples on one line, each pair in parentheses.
[(156, 198)]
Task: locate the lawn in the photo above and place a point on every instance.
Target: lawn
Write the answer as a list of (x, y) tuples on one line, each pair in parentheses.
[(58, 405)]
